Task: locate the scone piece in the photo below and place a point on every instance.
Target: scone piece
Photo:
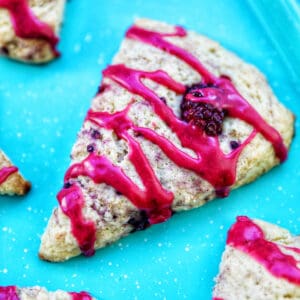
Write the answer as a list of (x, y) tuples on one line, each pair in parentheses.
[(11, 181), (39, 293), (177, 121), (260, 262), (29, 29)]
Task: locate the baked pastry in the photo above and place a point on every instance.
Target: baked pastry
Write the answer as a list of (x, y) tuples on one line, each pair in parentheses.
[(260, 262), (39, 293), (169, 129), (11, 181), (29, 29)]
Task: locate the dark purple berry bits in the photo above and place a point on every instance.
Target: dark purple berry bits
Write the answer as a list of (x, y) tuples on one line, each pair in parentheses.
[(96, 134), (234, 145), (90, 148), (204, 115), (139, 222), (67, 185)]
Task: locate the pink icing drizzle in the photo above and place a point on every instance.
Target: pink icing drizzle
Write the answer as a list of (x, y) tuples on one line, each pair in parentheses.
[(5, 172), (71, 202), (80, 296), (27, 25), (211, 163), (248, 237), (8, 293)]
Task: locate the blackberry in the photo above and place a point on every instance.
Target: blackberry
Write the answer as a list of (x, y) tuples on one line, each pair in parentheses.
[(204, 115)]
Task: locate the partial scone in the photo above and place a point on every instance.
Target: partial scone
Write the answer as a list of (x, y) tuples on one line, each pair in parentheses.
[(164, 134), (11, 181), (260, 262), (39, 293), (29, 29)]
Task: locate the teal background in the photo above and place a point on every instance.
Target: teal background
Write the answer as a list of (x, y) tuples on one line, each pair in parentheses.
[(42, 108)]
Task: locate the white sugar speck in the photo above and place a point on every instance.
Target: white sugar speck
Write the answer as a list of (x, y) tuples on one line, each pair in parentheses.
[(5, 271), (88, 38), (77, 48), (187, 248), (159, 244)]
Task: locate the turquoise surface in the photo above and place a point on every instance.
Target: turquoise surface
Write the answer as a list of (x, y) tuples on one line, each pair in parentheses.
[(42, 108)]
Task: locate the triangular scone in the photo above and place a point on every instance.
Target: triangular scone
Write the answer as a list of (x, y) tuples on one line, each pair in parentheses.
[(164, 133), (11, 181), (39, 293), (29, 29), (260, 262)]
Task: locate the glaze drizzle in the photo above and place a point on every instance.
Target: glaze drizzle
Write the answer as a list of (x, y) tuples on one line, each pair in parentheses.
[(8, 292), (80, 296), (5, 172), (249, 238), (211, 163), (27, 25)]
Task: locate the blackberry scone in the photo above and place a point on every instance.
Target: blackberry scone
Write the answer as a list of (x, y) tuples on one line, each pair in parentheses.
[(29, 29), (39, 293), (177, 121), (11, 181), (260, 262)]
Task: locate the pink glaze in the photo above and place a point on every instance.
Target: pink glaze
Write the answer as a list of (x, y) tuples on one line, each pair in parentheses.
[(80, 296), (249, 238), (225, 94), (8, 293), (5, 172), (211, 163), (157, 40), (27, 25), (71, 202)]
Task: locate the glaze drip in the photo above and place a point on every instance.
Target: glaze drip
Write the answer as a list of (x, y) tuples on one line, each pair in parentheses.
[(71, 202), (27, 25), (211, 163), (80, 296), (5, 172), (249, 238), (8, 292)]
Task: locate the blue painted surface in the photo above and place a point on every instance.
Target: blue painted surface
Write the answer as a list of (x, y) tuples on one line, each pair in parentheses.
[(41, 110)]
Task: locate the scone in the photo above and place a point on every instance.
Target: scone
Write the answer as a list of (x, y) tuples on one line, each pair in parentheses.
[(11, 181), (177, 121), (39, 293), (29, 29), (260, 262)]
